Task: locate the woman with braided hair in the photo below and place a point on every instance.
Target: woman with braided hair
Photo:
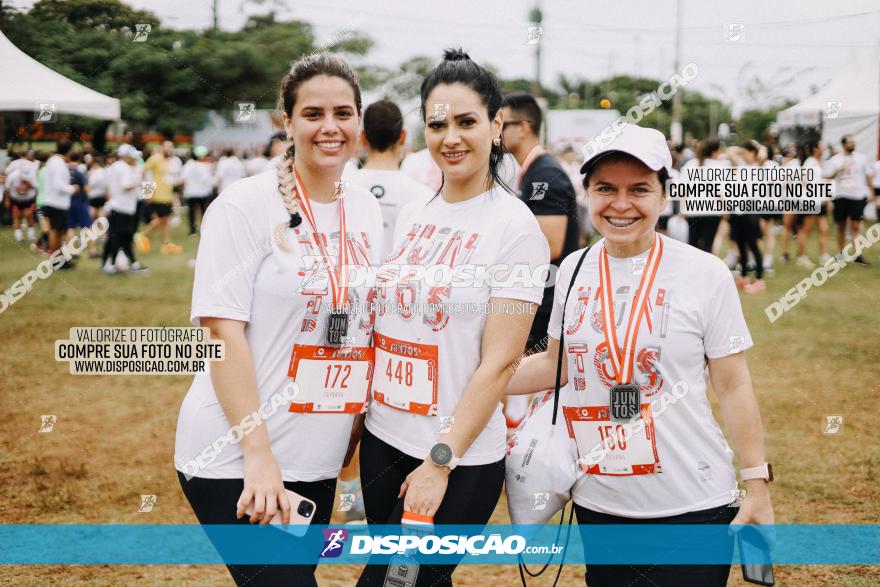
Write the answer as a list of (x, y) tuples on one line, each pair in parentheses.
[(272, 282)]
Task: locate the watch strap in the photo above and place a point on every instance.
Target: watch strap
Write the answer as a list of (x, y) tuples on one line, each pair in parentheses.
[(765, 472)]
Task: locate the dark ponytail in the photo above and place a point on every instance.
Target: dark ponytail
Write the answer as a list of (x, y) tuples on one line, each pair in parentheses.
[(457, 68)]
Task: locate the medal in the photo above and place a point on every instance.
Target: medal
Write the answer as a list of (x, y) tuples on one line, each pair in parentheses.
[(337, 320), (337, 328), (624, 402), (625, 397)]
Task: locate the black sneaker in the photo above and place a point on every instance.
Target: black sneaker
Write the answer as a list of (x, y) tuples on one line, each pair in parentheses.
[(861, 261)]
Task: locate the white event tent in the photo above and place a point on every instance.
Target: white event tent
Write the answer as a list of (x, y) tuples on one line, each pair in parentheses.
[(27, 85), (848, 105)]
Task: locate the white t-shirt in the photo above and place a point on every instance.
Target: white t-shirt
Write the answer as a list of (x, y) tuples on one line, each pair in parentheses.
[(97, 182), (120, 176), (58, 186), (393, 190), (421, 167), (20, 173), (851, 183), (492, 228), (229, 169), (198, 179), (695, 313), (173, 169), (255, 165), (241, 274), (876, 170)]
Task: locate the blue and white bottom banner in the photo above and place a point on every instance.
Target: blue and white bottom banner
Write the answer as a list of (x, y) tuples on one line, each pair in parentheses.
[(494, 544)]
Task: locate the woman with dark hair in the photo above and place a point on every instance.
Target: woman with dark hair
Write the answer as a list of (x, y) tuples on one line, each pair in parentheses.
[(435, 437), (271, 282), (652, 318), (745, 229), (810, 157)]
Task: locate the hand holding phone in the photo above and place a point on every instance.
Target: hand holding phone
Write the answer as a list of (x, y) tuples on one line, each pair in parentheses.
[(302, 510), (754, 555)]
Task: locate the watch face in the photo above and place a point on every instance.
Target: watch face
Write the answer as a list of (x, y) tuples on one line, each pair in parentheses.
[(441, 454)]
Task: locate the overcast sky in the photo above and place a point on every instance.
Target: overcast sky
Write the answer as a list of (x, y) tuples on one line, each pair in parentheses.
[(789, 45)]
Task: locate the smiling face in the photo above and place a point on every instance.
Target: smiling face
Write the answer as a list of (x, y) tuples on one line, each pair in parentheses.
[(323, 122), (459, 133), (625, 200)]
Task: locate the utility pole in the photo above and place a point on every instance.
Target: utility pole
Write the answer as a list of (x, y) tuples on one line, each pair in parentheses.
[(536, 18), (675, 132), (216, 9)]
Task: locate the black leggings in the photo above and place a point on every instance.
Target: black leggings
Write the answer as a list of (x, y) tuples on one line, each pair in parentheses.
[(120, 235), (214, 502), (658, 575), (701, 231), (746, 231), (470, 498), (192, 204)]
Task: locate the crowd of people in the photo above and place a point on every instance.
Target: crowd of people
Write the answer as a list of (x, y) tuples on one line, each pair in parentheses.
[(337, 189), (52, 195)]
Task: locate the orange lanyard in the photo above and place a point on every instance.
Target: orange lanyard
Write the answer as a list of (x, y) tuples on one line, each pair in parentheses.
[(622, 359), (338, 271)]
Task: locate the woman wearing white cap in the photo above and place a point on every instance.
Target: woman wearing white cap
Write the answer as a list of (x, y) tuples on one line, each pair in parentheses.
[(646, 316)]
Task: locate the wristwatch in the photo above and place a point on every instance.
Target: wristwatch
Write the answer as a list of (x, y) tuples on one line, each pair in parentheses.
[(765, 472), (442, 456)]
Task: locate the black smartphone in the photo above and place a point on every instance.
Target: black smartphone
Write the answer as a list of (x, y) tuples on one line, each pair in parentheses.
[(754, 553)]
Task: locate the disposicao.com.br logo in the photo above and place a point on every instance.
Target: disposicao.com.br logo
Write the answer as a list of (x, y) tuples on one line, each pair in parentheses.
[(456, 544)]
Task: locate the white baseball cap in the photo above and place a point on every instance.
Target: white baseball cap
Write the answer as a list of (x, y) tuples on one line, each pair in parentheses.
[(645, 144), (126, 150)]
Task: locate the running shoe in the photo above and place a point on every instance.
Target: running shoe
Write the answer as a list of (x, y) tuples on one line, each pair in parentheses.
[(823, 258), (755, 287), (136, 267), (861, 261), (109, 269), (171, 249), (805, 262), (142, 243), (785, 259)]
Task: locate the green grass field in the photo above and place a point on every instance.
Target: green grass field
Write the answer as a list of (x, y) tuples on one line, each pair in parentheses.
[(114, 436)]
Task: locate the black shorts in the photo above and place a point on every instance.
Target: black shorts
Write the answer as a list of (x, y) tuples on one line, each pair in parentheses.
[(846, 209), (161, 210), (56, 216), (23, 205), (97, 202)]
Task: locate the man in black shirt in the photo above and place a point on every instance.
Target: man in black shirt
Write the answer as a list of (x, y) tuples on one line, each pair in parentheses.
[(546, 190)]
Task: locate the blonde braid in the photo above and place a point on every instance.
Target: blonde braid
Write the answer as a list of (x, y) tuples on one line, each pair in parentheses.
[(287, 189)]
